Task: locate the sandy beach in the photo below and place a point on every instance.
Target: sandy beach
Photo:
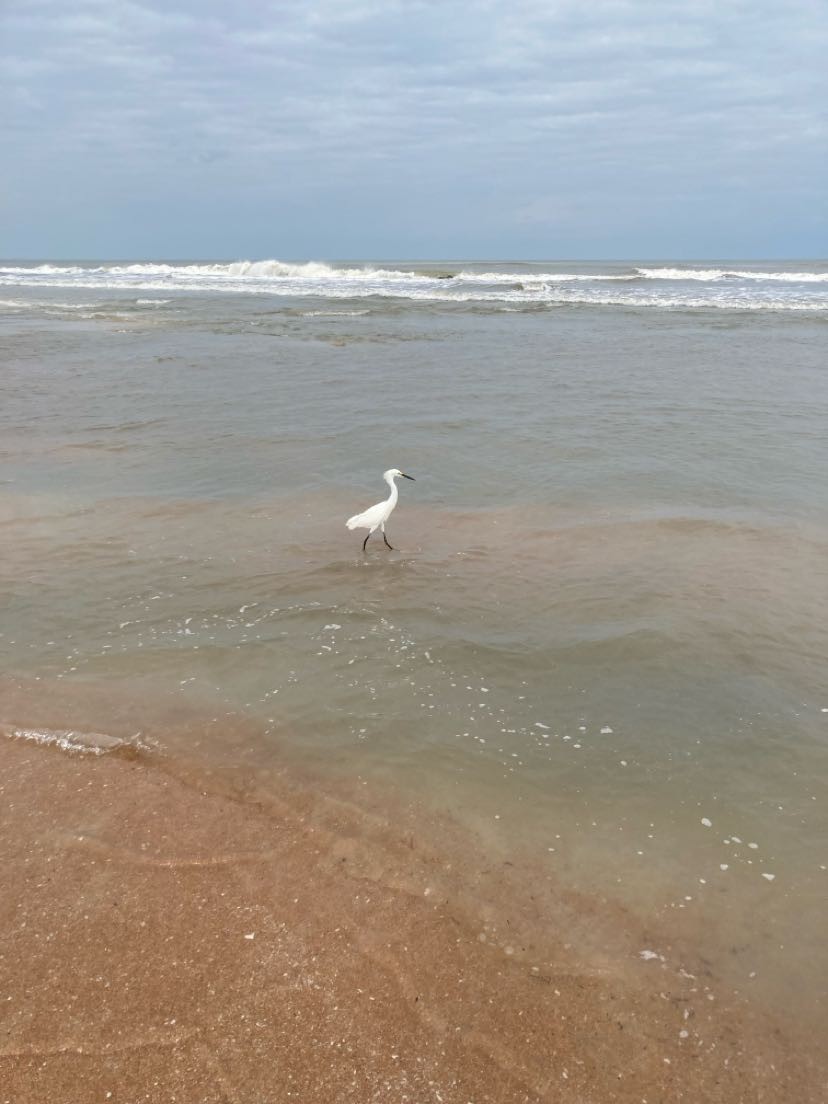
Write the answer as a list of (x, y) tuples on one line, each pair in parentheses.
[(524, 799), (531, 808), (179, 933)]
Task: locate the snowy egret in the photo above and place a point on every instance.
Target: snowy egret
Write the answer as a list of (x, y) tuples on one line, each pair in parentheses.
[(376, 516)]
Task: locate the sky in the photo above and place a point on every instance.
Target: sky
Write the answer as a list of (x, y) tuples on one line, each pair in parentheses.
[(333, 129)]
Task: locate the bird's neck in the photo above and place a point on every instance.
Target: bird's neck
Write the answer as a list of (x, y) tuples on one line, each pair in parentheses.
[(394, 492)]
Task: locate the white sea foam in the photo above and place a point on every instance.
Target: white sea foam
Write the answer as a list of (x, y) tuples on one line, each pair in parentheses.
[(711, 274), (46, 305), (530, 278), (250, 270), (79, 743), (335, 313), (661, 287)]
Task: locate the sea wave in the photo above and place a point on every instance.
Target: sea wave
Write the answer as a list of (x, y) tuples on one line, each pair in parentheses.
[(709, 275), (335, 313), (252, 270), (41, 304), (624, 285), (319, 270)]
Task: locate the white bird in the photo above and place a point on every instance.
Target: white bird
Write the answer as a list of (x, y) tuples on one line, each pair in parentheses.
[(376, 516)]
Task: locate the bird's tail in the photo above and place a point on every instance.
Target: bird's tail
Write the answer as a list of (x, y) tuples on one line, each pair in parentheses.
[(353, 522)]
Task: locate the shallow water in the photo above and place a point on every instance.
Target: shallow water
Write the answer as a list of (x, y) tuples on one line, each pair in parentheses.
[(606, 621)]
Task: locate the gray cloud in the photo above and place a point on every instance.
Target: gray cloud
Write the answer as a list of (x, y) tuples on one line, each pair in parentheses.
[(348, 127)]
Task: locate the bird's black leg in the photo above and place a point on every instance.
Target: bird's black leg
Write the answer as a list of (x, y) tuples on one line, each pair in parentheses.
[(365, 542), (387, 545)]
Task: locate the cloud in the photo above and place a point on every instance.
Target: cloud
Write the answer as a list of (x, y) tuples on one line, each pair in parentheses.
[(347, 121)]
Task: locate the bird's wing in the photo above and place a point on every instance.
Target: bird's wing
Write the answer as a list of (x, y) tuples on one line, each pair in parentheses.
[(372, 516)]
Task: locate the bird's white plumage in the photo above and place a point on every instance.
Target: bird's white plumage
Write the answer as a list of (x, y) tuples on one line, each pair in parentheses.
[(376, 516), (372, 517)]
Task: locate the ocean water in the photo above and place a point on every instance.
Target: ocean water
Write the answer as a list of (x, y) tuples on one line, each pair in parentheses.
[(600, 643)]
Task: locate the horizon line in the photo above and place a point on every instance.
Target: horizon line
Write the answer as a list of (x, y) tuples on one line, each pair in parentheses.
[(227, 259)]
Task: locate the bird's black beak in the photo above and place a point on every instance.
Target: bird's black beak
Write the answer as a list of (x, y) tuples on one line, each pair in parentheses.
[(411, 477)]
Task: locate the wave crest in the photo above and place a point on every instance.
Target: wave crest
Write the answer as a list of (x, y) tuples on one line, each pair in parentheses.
[(709, 275), (617, 284)]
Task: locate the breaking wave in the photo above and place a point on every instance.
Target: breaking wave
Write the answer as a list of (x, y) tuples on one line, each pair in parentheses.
[(742, 288), (712, 274)]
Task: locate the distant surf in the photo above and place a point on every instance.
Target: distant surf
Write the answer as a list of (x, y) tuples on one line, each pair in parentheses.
[(683, 286)]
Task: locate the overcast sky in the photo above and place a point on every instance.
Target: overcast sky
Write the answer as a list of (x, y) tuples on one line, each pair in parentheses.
[(414, 128)]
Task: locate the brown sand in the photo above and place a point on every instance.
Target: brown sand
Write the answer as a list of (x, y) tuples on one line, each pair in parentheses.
[(194, 936)]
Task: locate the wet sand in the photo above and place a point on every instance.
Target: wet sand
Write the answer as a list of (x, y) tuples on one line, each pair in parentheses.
[(179, 933)]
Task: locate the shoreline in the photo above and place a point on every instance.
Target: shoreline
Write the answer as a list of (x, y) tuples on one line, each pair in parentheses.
[(179, 932)]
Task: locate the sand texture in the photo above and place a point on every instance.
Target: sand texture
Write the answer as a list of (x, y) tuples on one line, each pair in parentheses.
[(175, 934)]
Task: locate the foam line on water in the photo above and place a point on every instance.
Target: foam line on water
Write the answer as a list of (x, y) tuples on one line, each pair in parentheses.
[(70, 740), (653, 287), (712, 274)]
